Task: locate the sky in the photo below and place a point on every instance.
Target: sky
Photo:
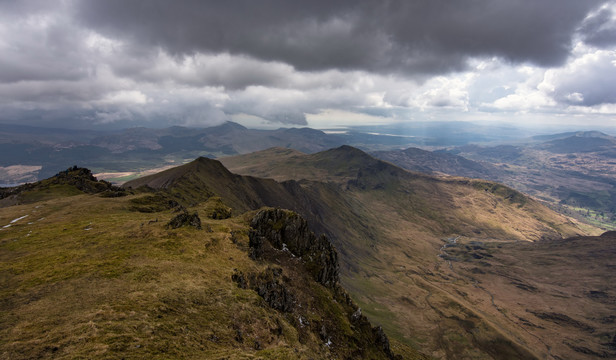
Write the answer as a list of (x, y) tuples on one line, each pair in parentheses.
[(324, 64)]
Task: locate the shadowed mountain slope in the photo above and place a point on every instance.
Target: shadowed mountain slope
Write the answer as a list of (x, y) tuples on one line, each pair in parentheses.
[(430, 162), (356, 172), (389, 226), (204, 178)]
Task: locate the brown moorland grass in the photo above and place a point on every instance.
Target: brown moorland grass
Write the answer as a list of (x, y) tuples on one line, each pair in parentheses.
[(85, 277)]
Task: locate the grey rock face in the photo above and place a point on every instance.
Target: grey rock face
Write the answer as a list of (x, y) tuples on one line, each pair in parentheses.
[(286, 230), (270, 285), (185, 219)]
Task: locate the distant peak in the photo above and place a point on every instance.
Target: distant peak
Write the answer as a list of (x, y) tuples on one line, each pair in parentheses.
[(344, 153), (202, 160), (414, 150), (200, 167), (349, 149), (592, 134), (232, 125)]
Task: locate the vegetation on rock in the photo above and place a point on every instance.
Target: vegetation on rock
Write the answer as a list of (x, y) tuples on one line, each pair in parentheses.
[(72, 181), (287, 231), (185, 219)]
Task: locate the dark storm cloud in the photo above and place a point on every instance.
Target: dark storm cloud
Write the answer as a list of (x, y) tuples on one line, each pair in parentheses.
[(40, 47), (380, 36), (80, 63)]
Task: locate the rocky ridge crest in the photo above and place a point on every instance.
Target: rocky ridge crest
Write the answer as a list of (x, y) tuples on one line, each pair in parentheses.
[(288, 231), (277, 231)]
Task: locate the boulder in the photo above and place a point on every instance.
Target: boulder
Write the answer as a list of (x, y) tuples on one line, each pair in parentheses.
[(185, 219)]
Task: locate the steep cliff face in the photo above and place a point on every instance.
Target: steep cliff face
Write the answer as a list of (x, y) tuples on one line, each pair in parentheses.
[(282, 237), (286, 230)]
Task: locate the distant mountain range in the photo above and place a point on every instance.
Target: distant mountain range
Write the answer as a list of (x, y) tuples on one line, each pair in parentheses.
[(573, 172), (140, 148), (30, 153)]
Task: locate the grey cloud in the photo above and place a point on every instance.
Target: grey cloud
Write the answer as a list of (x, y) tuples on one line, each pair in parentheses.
[(49, 49), (114, 117), (600, 28), (593, 82), (290, 106), (19, 8), (230, 72), (385, 36), (274, 59)]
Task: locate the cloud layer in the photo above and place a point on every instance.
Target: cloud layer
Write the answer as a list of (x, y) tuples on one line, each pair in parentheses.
[(121, 63)]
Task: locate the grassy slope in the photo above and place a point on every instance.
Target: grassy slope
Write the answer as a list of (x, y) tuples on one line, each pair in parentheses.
[(576, 181), (559, 292), (452, 205), (389, 226), (82, 276)]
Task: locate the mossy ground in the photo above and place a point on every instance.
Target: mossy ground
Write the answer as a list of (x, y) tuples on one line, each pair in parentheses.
[(86, 277), (83, 276)]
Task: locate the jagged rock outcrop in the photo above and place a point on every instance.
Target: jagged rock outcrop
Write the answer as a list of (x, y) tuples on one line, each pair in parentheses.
[(185, 219), (270, 285), (360, 321), (286, 230), (382, 341), (80, 178), (83, 180)]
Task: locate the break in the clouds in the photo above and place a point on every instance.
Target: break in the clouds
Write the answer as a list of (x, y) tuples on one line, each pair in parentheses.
[(122, 63)]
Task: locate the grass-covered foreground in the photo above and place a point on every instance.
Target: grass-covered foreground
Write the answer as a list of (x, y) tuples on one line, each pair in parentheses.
[(85, 276)]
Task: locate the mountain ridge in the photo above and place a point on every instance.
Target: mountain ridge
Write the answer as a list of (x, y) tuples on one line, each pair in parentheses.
[(420, 255), (398, 217), (110, 282)]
